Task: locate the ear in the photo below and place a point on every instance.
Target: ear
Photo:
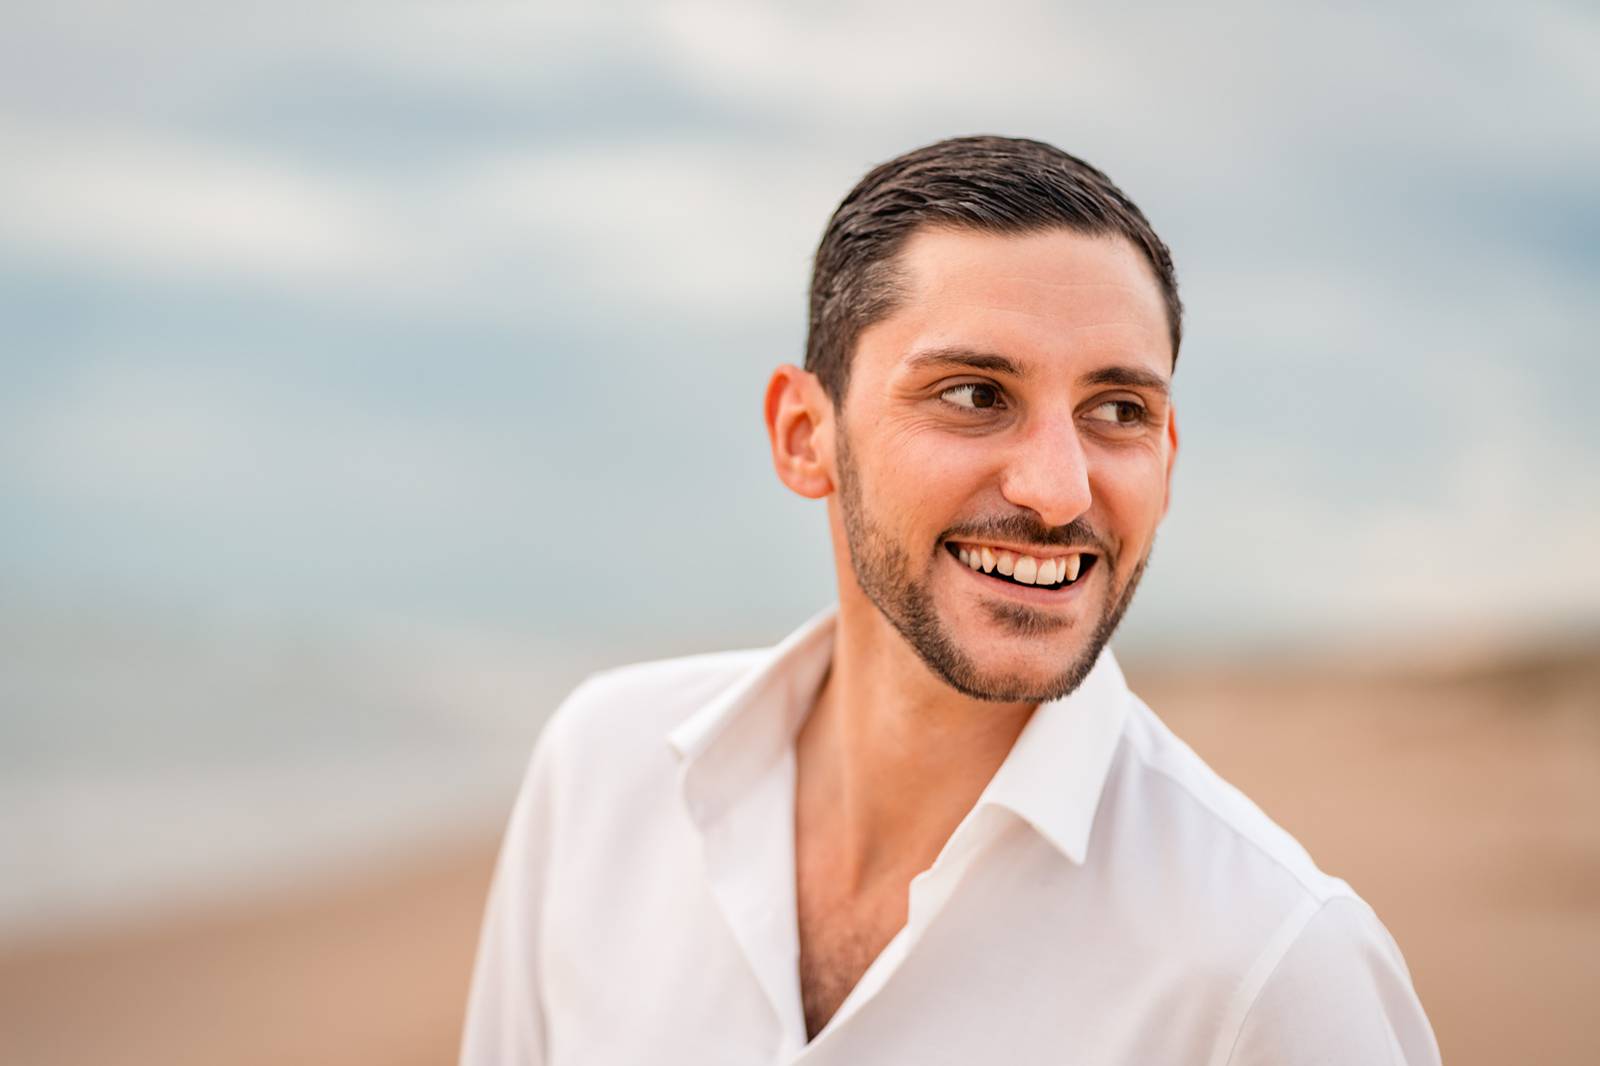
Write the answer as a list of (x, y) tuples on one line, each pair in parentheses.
[(1172, 456), (800, 427)]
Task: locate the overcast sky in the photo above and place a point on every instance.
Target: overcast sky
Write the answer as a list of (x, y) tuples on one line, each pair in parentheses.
[(463, 312)]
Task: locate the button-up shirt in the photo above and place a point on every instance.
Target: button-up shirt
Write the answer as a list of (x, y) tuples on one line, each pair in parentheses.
[(1108, 899)]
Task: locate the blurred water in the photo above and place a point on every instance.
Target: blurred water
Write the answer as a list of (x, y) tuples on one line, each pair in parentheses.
[(151, 764)]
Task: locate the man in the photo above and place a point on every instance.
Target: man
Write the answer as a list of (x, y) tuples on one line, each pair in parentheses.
[(933, 825)]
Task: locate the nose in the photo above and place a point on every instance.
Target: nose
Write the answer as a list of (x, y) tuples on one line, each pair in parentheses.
[(1048, 472)]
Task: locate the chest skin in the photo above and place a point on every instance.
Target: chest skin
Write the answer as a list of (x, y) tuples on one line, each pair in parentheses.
[(842, 929), (862, 833)]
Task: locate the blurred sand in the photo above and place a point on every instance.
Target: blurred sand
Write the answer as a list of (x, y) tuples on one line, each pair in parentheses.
[(372, 970), (1462, 800)]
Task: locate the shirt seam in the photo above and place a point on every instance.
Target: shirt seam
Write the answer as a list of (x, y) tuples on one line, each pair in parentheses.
[(1282, 942), (1316, 893)]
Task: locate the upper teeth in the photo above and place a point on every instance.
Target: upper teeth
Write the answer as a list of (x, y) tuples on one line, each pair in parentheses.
[(1024, 568)]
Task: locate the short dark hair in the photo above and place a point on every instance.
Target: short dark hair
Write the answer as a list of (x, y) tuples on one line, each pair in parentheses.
[(1005, 185)]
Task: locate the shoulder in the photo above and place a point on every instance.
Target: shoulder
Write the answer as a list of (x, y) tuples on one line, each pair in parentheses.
[(618, 717), (1337, 991), (1312, 970), (603, 753), (657, 694), (1207, 819)]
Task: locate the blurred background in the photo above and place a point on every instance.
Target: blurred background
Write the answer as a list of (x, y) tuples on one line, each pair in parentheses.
[(370, 373)]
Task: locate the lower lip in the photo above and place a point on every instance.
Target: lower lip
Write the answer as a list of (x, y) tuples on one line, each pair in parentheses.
[(1046, 597)]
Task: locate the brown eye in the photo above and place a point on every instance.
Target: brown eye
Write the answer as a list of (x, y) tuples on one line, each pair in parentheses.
[(1119, 412), (973, 396)]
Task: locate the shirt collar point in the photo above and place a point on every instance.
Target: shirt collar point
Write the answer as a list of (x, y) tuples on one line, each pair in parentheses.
[(721, 748), (696, 733), (1056, 772)]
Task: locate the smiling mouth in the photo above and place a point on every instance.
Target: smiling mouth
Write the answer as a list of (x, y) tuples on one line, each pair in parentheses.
[(1053, 572)]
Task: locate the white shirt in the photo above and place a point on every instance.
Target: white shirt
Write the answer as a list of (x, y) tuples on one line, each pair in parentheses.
[(1108, 900)]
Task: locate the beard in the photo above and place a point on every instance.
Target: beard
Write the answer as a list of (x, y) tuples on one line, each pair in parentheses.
[(885, 573)]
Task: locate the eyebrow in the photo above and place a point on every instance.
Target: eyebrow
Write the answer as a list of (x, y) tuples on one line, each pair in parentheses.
[(964, 357), (1130, 376), (972, 359)]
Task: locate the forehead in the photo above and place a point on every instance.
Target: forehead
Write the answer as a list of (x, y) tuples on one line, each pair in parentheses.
[(1054, 295)]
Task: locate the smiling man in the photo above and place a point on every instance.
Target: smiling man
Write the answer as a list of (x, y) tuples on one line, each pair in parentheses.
[(934, 825)]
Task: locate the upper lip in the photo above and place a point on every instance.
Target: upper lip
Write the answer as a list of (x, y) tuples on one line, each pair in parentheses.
[(1037, 551)]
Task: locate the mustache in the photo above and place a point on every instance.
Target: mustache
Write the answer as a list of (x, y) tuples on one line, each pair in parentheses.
[(1029, 530)]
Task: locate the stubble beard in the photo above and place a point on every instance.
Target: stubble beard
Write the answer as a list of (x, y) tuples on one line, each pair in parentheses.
[(884, 572)]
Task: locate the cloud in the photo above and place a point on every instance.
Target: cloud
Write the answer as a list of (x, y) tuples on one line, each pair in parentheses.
[(143, 204), (441, 277)]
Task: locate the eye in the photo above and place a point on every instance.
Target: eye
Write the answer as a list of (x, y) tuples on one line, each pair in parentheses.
[(974, 396), (1119, 412)]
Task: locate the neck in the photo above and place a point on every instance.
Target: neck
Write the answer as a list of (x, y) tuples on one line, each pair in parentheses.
[(891, 757)]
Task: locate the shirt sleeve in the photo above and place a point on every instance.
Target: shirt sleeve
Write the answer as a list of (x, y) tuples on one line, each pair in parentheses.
[(505, 1019), (1339, 996)]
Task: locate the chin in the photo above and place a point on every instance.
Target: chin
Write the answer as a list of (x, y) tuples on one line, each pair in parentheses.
[(1017, 657)]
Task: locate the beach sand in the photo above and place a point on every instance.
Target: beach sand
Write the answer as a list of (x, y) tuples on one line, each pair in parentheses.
[(1463, 801), (371, 968)]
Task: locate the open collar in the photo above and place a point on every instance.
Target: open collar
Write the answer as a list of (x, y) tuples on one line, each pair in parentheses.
[(1056, 771), (727, 745), (1052, 778)]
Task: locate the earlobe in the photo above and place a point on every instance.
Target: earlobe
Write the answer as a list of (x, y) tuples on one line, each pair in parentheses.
[(798, 415)]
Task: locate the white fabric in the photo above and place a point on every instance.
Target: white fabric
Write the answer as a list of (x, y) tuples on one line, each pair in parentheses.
[(1109, 900)]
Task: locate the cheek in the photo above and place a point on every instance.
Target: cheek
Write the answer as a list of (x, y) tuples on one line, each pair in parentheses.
[(1130, 493), (929, 476)]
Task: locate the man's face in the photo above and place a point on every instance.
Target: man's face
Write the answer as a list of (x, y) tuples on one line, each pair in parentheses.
[(1012, 417)]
